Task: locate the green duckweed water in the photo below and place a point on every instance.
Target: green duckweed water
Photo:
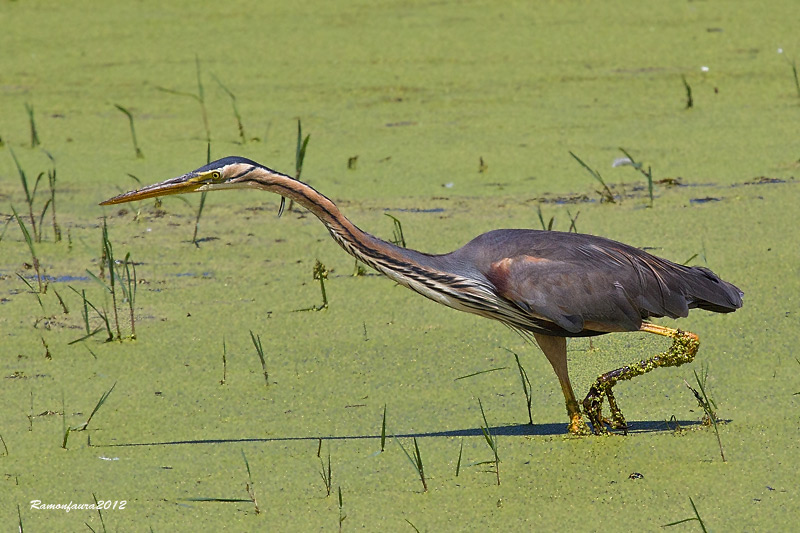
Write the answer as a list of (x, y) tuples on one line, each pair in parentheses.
[(419, 92)]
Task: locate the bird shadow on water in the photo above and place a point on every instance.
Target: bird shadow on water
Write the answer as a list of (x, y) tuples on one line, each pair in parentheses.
[(517, 430)]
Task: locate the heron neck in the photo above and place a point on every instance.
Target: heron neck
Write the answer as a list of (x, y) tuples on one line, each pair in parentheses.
[(436, 277), (365, 247)]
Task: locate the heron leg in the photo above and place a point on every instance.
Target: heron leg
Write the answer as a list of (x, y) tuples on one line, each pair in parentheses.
[(683, 349), (617, 421), (555, 349)]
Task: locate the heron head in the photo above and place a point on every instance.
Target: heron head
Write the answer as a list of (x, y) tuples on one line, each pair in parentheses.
[(225, 173)]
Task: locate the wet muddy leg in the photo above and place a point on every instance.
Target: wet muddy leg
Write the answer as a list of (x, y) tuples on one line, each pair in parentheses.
[(683, 349)]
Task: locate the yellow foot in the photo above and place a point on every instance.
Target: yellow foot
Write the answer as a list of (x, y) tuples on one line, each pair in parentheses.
[(578, 427)]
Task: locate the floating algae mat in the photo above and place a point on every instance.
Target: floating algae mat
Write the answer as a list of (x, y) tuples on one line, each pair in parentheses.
[(455, 119)]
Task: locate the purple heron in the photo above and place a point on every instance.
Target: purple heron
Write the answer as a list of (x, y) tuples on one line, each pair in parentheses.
[(545, 285)]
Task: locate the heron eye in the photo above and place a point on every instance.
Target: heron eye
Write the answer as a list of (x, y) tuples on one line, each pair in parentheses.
[(215, 175)]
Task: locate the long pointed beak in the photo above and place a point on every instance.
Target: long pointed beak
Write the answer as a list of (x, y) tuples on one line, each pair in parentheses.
[(179, 185)]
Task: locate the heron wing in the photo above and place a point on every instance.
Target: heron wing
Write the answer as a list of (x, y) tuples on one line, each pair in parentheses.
[(584, 283), (566, 293)]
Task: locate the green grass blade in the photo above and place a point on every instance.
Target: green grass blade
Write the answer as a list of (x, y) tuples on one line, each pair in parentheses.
[(139, 154), (481, 372), (527, 388), (236, 114), (97, 407), (383, 429), (29, 241), (796, 79), (397, 232), (103, 316), (247, 466), (491, 440), (460, 452), (260, 351), (689, 98), (64, 427), (410, 460), (22, 177), (607, 195), (201, 97), (102, 522), (99, 281), (34, 134), (300, 150), (33, 291)]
